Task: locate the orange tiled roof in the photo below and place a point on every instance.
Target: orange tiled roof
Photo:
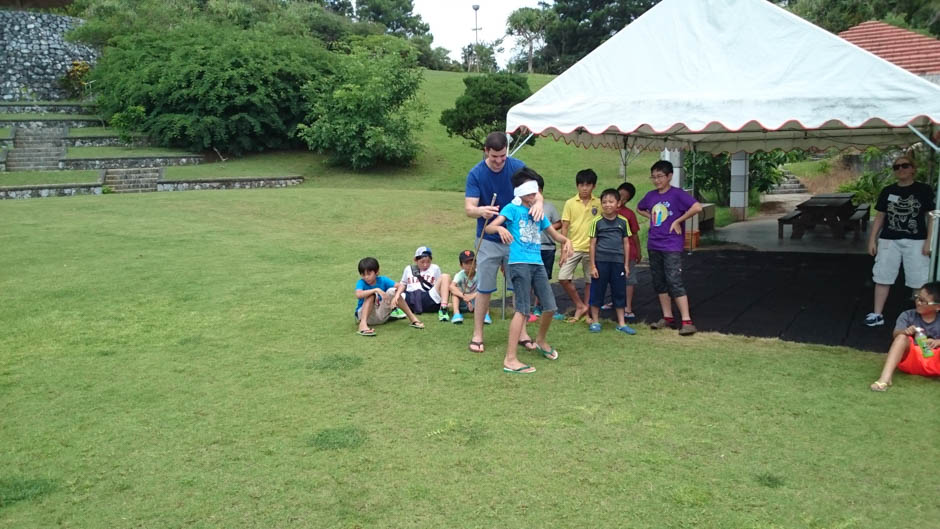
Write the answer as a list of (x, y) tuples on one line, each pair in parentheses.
[(914, 52)]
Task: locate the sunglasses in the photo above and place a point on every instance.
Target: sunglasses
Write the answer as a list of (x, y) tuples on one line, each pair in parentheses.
[(899, 166), (921, 301)]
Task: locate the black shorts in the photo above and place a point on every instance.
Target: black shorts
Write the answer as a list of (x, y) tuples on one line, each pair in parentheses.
[(419, 301)]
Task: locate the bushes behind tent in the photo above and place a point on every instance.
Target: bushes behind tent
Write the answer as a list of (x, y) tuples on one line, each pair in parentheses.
[(206, 86)]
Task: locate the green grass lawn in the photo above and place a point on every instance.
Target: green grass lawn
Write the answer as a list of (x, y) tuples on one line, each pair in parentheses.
[(808, 168), (122, 152), (6, 133), (189, 359), (29, 178)]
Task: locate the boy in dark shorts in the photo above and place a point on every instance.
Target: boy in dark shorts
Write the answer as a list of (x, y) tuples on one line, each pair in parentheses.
[(610, 244), (526, 270), (668, 207)]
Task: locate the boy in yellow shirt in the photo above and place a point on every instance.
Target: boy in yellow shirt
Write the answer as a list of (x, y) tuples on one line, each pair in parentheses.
[(575, 225)]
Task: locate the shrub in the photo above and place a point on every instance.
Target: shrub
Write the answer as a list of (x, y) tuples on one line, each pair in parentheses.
[(483, 106), (75, 81), (207, 86), (365, 113), (868, 186), (713, 172), (128, 121)]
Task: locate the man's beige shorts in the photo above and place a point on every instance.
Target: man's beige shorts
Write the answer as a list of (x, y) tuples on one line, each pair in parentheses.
[(566, 270)]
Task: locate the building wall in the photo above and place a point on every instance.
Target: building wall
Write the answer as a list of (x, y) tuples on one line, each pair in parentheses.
[(34, 55)]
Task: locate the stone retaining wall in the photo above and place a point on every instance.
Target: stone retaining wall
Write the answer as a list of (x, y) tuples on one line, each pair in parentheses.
[(128, 163), (53, 190), (34, 55), (50, 108), (97, 141), (3, 159), (52, 123), (228, 183)]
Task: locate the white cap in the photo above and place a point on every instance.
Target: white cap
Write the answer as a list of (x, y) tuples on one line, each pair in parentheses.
[(422, 251)]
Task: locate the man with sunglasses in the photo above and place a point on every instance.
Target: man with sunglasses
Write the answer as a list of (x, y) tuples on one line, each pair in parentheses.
[(900, 235)]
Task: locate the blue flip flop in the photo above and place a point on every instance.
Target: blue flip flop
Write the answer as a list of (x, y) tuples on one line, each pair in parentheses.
[(520, 371)]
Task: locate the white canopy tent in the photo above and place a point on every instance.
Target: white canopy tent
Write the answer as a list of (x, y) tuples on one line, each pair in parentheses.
[(730, 76)]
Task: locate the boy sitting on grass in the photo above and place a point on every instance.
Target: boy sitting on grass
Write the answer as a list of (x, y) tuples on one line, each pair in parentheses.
[(610, 246), (904, 354), (378, 296), (526, 271), (463, 290), (426, 288)]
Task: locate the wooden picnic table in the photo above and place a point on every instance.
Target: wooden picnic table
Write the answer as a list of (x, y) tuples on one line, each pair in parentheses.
[(832, 209)]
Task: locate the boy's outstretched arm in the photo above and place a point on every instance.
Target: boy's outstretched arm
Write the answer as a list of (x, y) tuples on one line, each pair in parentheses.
[(496, 226), (566, 249)]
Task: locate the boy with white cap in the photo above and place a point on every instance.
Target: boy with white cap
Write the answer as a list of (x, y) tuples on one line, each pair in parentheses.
[(426, 288)]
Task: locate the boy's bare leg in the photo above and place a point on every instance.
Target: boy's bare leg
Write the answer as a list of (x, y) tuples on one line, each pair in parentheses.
[(580, 307), (516, 326), (665, 303), (544, 323), (443, 287), (482, 300), (595, 313), (620, 321), (895, 354), (455, 304), (881, 296), (407, 310), (368, 303), (630, 290), (683, 303)]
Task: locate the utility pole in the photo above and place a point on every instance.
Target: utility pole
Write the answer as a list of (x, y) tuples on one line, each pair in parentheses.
[(476, 33)]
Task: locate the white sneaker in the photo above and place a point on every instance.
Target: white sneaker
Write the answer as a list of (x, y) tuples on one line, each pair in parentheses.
[(874, 319)]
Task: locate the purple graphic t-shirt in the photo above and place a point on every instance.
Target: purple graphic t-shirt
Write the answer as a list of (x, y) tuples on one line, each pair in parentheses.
[(664, 208)]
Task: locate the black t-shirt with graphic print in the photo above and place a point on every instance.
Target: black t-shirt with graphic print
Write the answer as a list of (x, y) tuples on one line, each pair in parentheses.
[(905, 210)]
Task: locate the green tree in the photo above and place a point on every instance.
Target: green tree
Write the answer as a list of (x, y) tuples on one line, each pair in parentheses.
[(483, 106), (366, 112), (839, 15), (208, 86), (528, 24), (578, 26), (396, 15), (713, 172)]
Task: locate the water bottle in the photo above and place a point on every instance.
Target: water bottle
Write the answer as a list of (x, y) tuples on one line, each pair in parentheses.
[(921, 340)]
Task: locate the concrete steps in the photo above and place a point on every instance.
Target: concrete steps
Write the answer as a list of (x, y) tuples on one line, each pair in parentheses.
[(790, 185), (143, 180), (36, 149)]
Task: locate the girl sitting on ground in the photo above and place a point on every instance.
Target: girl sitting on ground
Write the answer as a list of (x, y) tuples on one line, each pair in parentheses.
[(904, 354)]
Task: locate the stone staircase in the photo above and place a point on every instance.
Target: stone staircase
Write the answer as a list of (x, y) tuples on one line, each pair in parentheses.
[(37, 149), (142, 180), (789, 185)]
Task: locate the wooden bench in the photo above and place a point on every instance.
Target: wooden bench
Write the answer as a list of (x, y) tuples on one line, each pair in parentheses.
[(866, 208), (789, 218), (858, 222)]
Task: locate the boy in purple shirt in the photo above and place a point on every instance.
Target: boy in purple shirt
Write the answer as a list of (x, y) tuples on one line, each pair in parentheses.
[(668, 208)]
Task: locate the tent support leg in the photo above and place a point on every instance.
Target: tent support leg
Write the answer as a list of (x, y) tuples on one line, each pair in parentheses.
[(934, 215)]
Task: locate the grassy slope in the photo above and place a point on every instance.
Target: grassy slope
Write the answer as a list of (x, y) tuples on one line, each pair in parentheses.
[(189, 359), (121, 152)]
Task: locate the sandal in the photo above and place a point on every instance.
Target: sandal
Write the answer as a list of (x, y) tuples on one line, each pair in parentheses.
[(417, 325), (473, 344), (527, 343), (879, 386), (521, 371), (551, 354), (366, 332), (594, 327)]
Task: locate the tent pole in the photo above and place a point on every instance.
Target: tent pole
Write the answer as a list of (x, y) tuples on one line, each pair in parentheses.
[(523, 142), (935, 214)]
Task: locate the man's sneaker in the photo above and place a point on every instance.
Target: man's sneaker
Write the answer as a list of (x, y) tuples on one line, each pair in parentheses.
[(442, 315), (874, 320), (457, 319), (487, 320), (661, 324), (687, 329), (397, 314)]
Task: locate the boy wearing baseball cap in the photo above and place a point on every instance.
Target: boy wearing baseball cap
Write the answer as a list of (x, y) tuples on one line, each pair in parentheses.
[(426, 288)]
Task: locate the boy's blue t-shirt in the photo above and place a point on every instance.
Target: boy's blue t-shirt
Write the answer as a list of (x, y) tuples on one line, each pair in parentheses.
[(382, 283), (526, 246), (482, 182)]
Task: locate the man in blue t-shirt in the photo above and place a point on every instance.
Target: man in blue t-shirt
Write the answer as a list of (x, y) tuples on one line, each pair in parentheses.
[(492, 177)]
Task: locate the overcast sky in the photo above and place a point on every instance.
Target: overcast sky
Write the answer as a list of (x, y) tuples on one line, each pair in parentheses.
[(451, 22)]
